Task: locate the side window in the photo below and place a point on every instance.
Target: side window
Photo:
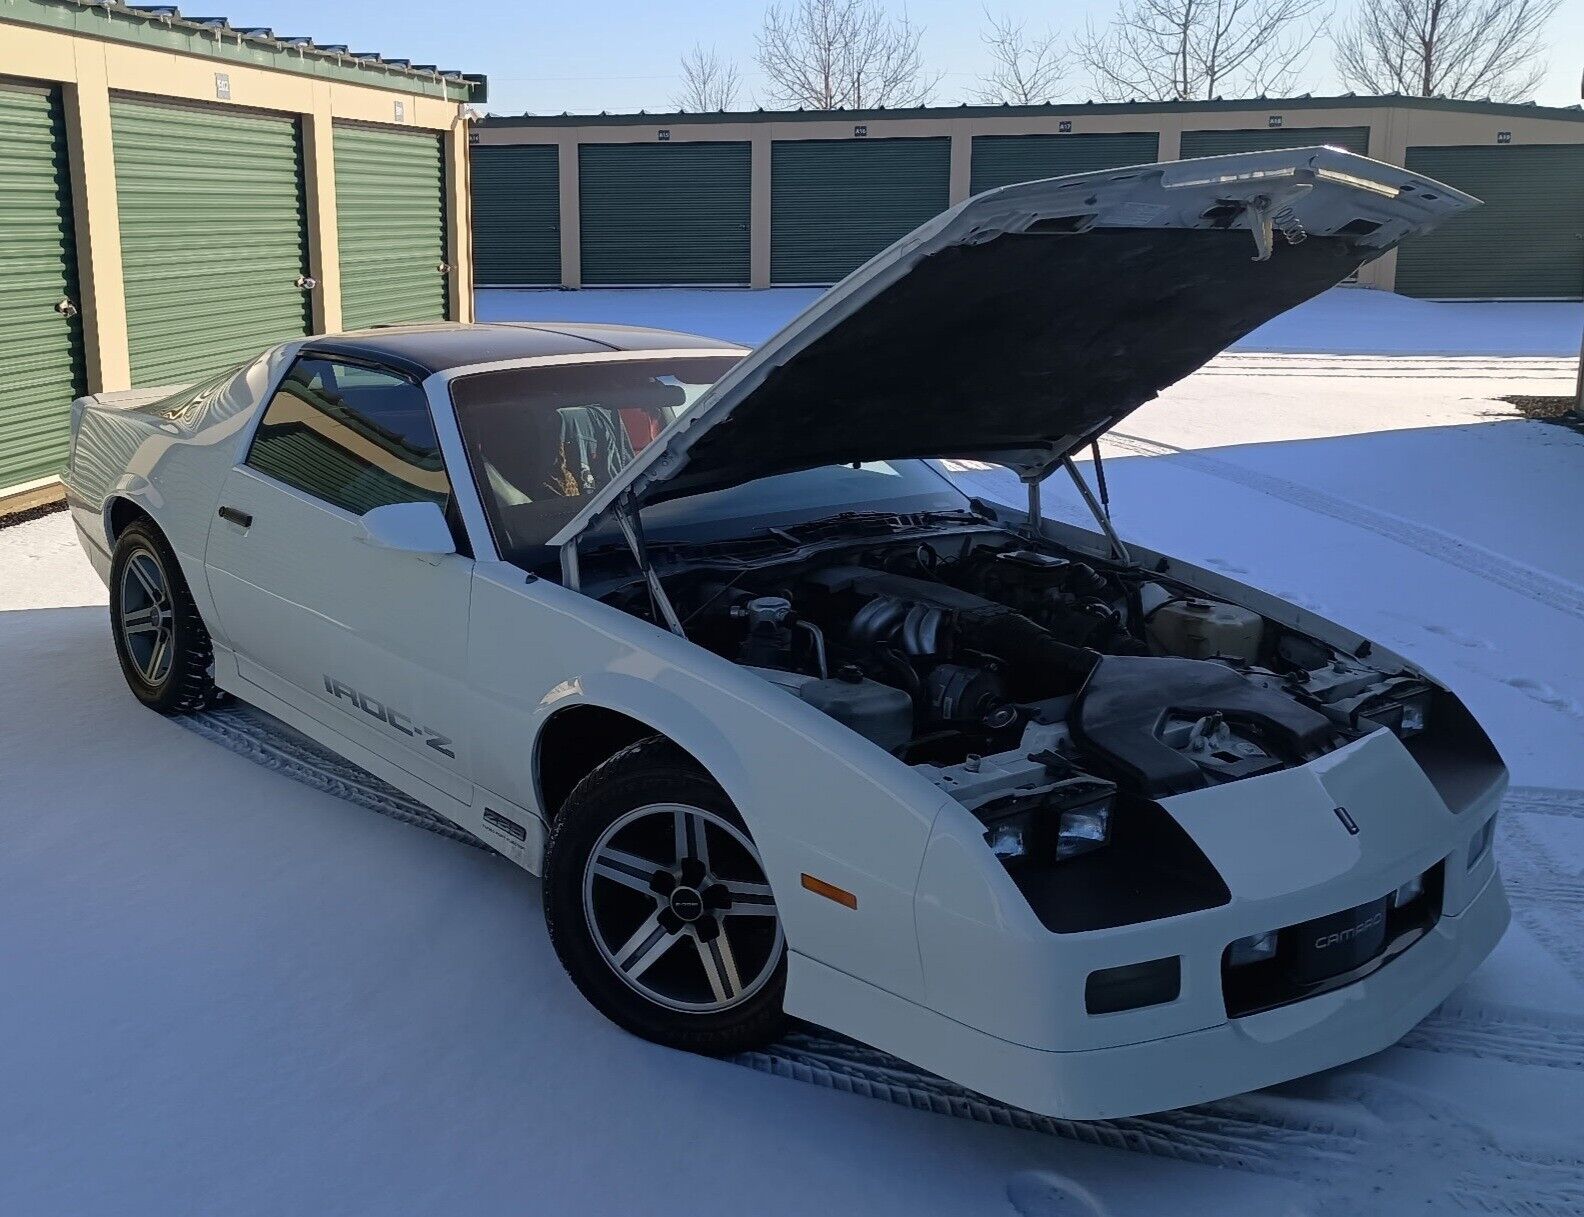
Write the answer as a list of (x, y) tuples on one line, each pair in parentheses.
[(354, 436)]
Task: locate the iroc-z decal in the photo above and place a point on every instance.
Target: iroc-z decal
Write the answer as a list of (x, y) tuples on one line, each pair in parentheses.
[(391, 718)]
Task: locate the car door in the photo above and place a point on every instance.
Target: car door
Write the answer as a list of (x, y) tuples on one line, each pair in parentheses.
[(367, 640)]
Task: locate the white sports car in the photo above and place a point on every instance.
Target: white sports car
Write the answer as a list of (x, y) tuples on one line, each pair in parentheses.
[(791, 726)]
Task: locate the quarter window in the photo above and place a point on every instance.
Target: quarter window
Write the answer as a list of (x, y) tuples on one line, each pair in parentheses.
[(356, 437)]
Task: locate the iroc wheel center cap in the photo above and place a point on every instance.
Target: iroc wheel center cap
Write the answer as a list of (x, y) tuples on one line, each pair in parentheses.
[(687, 903)]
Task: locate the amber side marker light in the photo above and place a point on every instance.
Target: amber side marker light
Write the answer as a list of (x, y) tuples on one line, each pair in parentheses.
[(830, 891)]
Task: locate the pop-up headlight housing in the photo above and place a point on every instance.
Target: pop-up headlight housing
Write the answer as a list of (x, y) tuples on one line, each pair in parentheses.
[(1403, 708)]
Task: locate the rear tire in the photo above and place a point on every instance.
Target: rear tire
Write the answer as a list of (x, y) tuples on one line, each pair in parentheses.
[(160, 640), (658, 907)]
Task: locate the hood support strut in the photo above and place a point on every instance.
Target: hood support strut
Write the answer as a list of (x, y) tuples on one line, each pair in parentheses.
[(1101, 515), (626, 512)]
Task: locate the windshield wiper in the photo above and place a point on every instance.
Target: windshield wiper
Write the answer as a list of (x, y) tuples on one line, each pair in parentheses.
[(899, 520)]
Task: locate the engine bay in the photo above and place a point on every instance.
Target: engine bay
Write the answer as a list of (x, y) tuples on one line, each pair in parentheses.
[(998, 664)]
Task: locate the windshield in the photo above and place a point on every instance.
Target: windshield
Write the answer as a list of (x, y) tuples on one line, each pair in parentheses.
[(542, 440)]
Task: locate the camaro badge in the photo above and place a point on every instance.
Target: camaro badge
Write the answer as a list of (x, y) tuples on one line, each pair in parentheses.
[(1348, 822)]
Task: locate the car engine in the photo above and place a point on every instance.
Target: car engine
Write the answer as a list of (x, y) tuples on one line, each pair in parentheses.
[(1039, 687), (949, 658)]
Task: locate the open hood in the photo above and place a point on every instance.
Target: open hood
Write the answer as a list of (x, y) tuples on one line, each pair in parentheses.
[(1023, 322)]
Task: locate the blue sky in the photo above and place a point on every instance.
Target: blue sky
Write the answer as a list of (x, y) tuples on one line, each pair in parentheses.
[(622, 54)]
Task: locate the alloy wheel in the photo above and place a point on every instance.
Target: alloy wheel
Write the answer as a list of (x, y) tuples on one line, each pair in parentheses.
[(147, 616), (676, 901)]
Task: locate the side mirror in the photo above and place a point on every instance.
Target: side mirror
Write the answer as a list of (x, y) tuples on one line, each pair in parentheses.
[(409, 528)]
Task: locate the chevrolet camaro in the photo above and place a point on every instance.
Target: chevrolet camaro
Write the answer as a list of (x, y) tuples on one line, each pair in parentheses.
[(789, 724)]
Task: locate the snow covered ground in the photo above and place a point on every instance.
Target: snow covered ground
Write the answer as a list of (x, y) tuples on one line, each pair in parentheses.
[(1343, 321), (227, 988)]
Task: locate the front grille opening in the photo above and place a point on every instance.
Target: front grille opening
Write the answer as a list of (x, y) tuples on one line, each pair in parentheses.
[(1326, 953)]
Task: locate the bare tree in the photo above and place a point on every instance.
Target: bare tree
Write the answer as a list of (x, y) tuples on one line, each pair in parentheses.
[(708, 82), (1446, 48), (1197, 50), (842, 54), (1025, 68)]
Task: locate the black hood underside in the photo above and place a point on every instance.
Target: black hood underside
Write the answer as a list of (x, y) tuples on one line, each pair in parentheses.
[(1014, 332)]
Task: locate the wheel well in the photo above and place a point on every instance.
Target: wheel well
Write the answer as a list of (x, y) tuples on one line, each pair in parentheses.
[(119, 514), (574, 743)]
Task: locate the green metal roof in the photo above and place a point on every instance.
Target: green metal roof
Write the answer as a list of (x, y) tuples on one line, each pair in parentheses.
[(1055, 109), (163, 26)]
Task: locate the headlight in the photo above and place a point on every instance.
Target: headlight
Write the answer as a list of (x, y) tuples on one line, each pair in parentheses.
[(1084, 829), (1070, 818), (1408, 892), (1404, 710)]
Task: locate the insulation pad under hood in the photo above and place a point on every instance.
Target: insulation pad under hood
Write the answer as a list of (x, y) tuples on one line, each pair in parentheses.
[(1026, 320)]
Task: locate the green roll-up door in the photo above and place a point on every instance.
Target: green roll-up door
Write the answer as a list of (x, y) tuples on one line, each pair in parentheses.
[(836, 203), (1000, 160), (40, 344), (1528, 238), (213, 235), (1223, 143), (516, 214), (391, 215), (664, 213)]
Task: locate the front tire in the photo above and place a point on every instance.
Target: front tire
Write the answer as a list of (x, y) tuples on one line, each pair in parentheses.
[(160, 640), (658, 907)]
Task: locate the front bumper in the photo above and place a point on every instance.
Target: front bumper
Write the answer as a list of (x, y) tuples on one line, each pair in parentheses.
[(1231, 1057)]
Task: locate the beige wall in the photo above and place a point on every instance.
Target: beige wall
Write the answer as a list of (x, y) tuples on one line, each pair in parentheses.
[(90, 69), (1393, 129)]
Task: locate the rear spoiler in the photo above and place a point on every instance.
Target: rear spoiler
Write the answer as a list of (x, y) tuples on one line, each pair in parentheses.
[(126, 399)]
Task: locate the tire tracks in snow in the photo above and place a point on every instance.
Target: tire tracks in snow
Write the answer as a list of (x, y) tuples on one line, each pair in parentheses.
[(1546, 897), (265, 740), (1504, 369), (1559, 594), (1345, 1147), (1536, 882), (1223, 1134), (1545, 801), (1501, 1033)]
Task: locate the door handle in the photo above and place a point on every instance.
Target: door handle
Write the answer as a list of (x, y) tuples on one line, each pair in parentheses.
[(240, 518)]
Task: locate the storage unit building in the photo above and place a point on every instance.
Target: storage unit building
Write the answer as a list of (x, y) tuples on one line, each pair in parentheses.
[(176, 194), (40, 324), (834, 204), (1261, 139), (664, 213), (391, 214), (828, 189), (1000, 160), (1528, 238), (227, 183), (516, 215)]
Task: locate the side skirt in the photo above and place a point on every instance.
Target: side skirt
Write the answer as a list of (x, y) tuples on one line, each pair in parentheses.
[(515, 833)]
